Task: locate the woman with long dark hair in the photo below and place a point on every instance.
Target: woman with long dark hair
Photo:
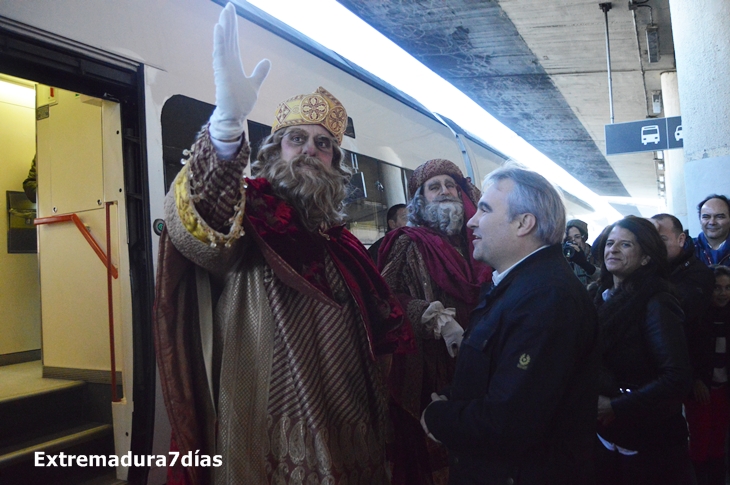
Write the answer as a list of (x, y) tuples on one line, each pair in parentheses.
[(645, 371)]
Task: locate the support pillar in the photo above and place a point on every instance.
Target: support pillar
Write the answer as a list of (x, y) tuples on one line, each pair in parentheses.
[(701, 31), (674, 159)]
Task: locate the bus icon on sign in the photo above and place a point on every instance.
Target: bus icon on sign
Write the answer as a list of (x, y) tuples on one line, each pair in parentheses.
[(650, 134)]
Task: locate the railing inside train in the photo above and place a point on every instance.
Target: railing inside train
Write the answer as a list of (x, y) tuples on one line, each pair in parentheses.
[(111, 272)]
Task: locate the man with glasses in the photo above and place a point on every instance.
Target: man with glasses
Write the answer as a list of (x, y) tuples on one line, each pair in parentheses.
[(270, 316)]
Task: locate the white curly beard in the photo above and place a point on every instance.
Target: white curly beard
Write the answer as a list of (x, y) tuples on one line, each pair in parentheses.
[(445, 214)]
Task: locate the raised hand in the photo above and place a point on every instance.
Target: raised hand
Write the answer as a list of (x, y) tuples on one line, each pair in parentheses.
[(235, 93)]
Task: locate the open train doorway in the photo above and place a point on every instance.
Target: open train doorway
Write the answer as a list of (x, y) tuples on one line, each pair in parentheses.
[(81, 123), (19, 284), (61, 385)]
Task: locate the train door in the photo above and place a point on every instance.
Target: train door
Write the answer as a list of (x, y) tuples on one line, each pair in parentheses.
[(86, 124), (86, 313)]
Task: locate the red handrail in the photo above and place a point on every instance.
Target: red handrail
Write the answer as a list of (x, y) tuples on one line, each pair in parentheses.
[(111, 306), (111, 271), (85, 232)]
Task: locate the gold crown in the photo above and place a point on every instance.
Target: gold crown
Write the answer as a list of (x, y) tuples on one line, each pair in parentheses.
[(318, 108)]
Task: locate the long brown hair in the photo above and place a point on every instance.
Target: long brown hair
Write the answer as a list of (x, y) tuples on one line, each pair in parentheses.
[(649, 241)]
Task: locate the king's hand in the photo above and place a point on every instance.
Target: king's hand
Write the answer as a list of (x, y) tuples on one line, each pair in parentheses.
[(235, 93)]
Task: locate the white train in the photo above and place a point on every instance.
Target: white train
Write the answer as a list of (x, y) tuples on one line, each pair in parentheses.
[(109, 94)]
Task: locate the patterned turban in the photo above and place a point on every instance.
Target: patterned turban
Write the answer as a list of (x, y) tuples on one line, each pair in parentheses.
[(439, 166), (318, 108)]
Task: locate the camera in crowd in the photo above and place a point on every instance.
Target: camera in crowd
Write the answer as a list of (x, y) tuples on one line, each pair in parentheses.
[(568, 250)]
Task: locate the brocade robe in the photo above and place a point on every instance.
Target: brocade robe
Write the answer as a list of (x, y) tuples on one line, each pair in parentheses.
[(267, 356), (421, 266)]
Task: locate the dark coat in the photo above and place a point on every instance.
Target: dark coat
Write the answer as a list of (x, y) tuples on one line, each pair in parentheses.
[(694, 283), (374, 248), (645, 367), (701, 344), (522, 406)]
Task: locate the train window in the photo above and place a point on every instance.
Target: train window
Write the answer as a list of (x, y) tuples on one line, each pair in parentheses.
[(256, 134), (376, 185), (407, 172), (181, 120), (350, 128)]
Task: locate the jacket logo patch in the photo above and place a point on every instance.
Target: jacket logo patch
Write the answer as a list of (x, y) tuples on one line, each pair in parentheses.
[(524, 362)]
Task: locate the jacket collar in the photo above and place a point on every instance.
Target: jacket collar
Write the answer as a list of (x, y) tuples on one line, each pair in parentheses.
[(704, 252), (685, 257), (490, 291), (497, 277)]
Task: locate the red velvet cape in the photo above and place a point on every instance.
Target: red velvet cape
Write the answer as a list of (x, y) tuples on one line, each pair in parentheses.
[(459, 276)]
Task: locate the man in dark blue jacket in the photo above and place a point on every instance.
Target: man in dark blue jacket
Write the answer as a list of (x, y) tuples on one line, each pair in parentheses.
[(522, 406)]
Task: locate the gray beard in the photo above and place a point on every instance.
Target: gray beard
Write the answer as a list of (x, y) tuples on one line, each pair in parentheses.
[(446, 216), (316, 191)]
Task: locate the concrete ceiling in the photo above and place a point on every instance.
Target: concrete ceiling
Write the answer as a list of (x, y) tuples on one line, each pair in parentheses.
[(539, 66)]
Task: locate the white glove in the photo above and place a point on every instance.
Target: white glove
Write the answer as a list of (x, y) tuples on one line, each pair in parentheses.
[(445, 327), (235, 93), (452, 334), (434, 397)]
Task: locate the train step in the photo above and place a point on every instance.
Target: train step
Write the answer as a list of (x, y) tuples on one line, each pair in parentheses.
[(43, 424), (25, 417), (47, 459)]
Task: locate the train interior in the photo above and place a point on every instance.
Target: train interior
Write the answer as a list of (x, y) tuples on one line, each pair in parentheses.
[(66, 356), (56, 378)]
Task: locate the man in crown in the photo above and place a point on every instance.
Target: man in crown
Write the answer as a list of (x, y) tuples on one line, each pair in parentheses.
[(270, 315)]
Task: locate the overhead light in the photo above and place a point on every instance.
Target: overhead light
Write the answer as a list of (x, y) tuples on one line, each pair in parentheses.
[(660, 166), (652, 42), (361, 44), (661, 178), (659, 155), (17, 94)]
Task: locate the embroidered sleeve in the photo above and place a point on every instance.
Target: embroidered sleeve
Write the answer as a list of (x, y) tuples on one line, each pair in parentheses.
[(210, 193), (407, 276)]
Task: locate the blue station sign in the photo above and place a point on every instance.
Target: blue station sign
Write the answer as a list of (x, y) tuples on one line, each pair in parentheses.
[(647, 135)]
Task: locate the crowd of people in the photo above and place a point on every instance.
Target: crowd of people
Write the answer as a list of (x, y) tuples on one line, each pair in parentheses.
[(483, 341), (661, 297)]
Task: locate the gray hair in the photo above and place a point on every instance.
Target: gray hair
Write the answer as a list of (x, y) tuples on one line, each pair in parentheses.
[(533, 194)]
